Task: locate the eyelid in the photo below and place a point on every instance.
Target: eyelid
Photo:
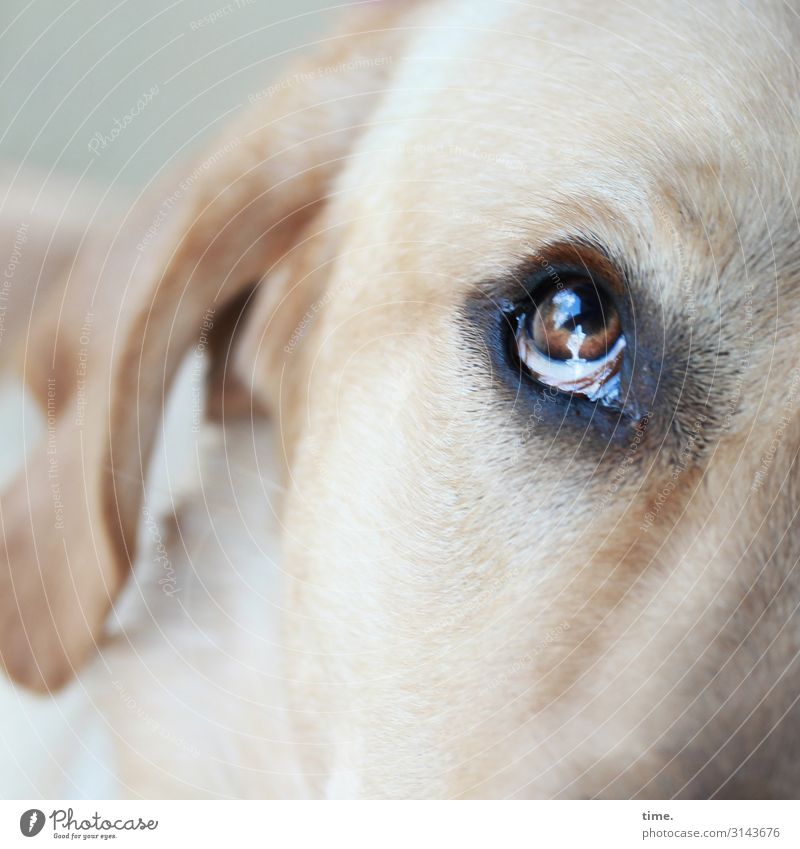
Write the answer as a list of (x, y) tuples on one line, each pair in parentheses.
[(579, 257)]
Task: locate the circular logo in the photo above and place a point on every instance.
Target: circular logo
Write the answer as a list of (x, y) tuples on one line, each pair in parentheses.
[(31, 822)]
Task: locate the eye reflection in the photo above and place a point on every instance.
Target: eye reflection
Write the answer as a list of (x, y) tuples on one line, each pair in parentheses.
[(572, 340)]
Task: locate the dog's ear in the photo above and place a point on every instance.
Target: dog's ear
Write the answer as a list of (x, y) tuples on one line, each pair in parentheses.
[(69, 521)]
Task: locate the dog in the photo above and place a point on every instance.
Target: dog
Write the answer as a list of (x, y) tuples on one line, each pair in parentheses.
[(515, 290)]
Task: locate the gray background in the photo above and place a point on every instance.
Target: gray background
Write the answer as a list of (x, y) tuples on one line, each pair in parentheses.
[(69, 69)]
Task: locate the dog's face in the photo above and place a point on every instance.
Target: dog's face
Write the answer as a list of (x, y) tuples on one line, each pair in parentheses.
[(503, 588), (537, 381)]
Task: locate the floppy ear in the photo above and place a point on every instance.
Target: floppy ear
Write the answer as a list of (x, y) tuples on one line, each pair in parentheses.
[(69, 521)]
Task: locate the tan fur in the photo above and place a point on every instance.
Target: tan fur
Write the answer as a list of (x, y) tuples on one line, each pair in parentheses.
[(474, 606)]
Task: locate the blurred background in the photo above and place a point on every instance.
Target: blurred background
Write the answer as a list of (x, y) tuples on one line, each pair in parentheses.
[(97, 99), (148, 80)]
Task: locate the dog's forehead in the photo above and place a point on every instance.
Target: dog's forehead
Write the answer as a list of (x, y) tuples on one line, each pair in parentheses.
[(513, 127)]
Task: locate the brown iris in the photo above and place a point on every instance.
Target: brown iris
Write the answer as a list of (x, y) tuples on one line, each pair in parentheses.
[(574, 321)]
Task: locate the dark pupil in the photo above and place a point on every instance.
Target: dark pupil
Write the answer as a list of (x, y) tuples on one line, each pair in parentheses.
[(579, 308)]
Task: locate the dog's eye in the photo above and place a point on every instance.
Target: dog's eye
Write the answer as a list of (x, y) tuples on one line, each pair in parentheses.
[(571, 339)]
